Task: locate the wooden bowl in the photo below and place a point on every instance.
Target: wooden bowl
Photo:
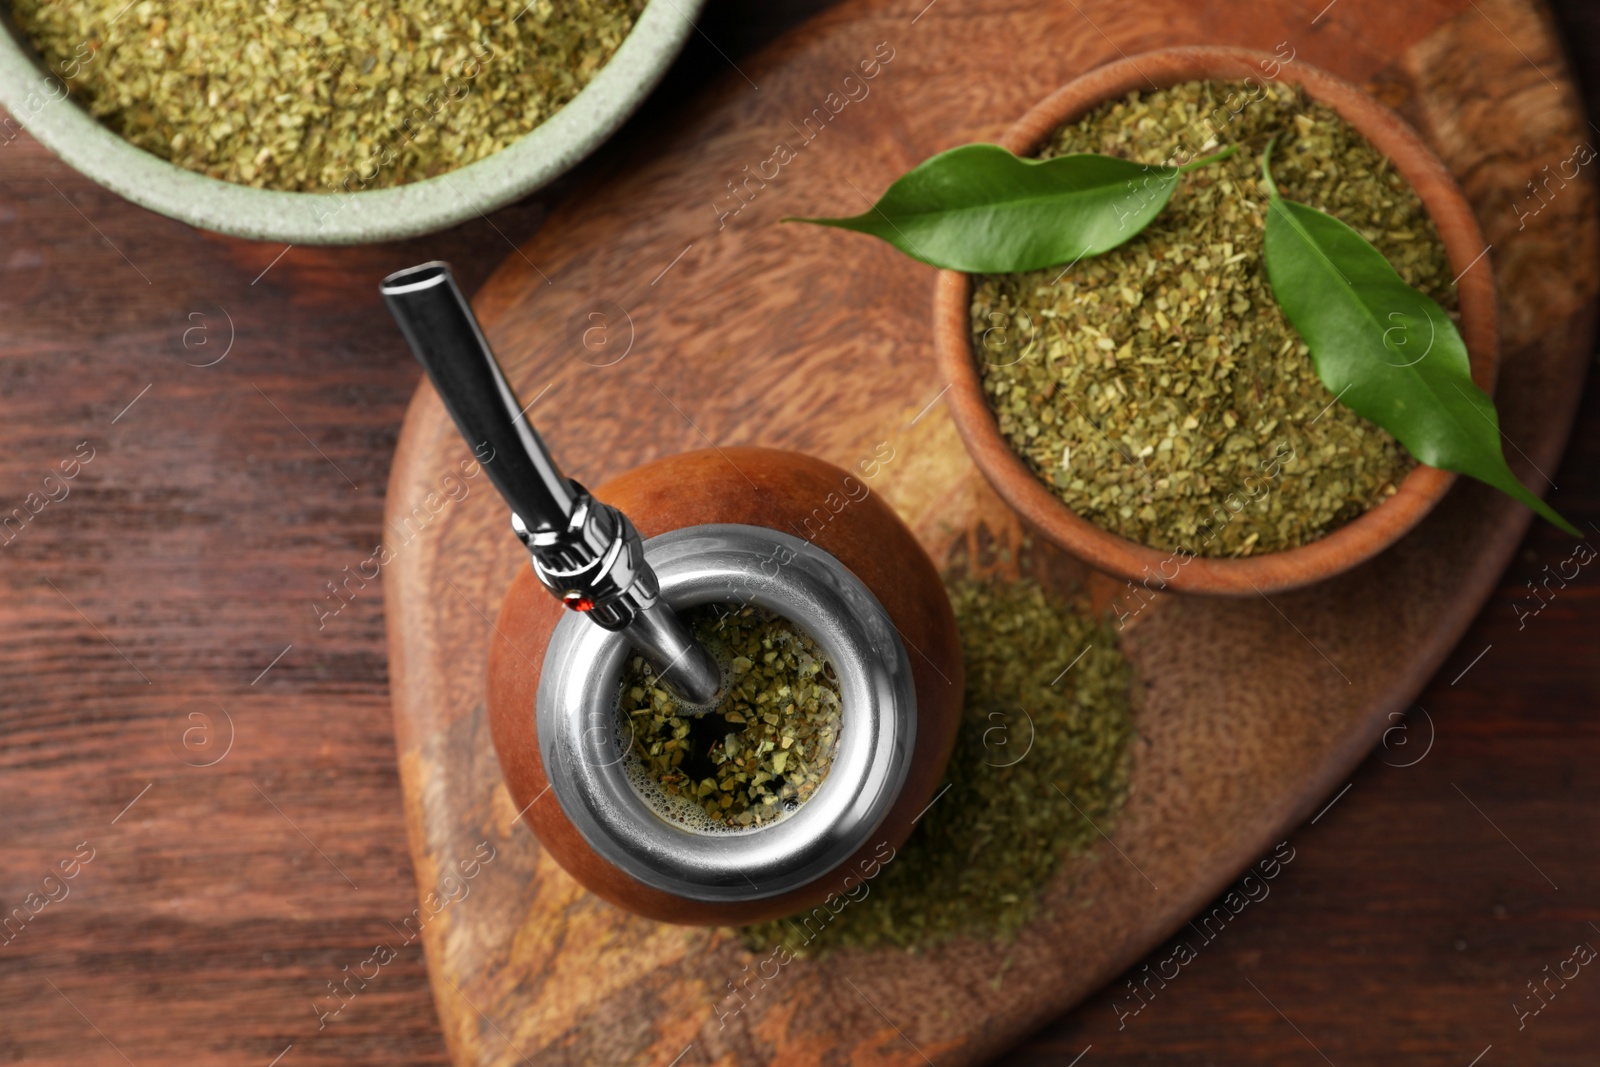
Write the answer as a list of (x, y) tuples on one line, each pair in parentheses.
[(1353, 543), (760, 487)]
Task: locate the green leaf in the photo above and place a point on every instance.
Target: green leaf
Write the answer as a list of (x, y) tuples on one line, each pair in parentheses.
[(1387, 352), (978, 208)]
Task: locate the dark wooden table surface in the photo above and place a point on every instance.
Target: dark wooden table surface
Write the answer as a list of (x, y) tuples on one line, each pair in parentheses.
[(172, 705)]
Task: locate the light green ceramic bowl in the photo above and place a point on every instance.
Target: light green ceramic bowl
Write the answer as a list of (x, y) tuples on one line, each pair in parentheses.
[(36, 103)]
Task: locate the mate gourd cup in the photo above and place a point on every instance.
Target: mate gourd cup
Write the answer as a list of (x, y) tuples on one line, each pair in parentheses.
[(848, 543), (1343, 548)]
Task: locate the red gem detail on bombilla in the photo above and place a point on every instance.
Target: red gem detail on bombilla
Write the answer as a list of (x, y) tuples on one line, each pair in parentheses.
[(577, 601)]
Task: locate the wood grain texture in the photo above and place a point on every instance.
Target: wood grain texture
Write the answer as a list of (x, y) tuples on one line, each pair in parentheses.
[(1251, 712), (206, 926)]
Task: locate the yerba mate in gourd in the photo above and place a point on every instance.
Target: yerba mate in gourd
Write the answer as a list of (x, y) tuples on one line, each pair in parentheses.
[(842, 730), (757, 754)]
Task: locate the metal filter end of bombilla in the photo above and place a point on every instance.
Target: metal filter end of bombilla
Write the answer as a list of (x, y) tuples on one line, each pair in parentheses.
[(586, 553)]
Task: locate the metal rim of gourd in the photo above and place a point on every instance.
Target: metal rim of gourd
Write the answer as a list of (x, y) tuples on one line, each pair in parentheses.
[(585, 756)]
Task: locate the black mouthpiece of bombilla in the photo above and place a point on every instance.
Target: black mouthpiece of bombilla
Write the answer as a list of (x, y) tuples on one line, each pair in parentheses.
[(586, 553)]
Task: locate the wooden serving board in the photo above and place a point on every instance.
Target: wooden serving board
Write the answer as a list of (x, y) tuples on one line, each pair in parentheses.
[(660, 313)]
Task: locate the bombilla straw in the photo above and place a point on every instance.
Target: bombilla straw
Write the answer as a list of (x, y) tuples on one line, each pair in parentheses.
[(585, 552)]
